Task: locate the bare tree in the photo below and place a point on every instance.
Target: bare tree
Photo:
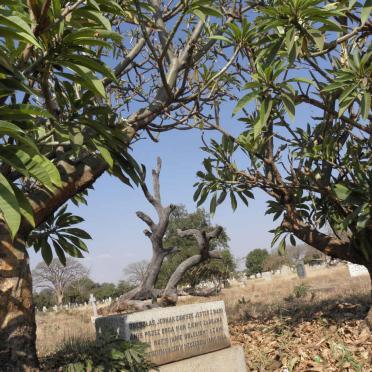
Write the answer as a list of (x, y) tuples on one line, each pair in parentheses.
[(58, 277), (203, 239), (135, 272), (155, 233)]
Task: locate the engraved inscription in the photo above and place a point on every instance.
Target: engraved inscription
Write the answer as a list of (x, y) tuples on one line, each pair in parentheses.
[(175, 333)]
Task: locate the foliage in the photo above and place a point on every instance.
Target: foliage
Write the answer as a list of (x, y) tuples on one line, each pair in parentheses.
[(109, 354), (43, 298), (254, 262), (315, 168), (212, 269), (301, 290), (59, 231)]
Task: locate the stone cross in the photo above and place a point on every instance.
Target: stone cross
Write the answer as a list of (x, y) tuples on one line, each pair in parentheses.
[(92, 300)]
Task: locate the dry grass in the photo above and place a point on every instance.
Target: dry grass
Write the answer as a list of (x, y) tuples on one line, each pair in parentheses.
[(321, 331)]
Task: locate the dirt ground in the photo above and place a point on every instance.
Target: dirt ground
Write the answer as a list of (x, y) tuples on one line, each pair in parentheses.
[(286, 324)]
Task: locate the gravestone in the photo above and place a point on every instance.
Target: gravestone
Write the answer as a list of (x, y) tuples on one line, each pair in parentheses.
[(178, 335), (300, 268), (356, 270), (92, 301)]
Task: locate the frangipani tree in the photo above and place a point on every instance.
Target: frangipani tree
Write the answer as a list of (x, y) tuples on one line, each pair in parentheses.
[(311, 57), (80, 82)]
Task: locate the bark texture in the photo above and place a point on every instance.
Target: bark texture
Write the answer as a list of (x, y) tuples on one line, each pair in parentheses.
[(17, 313)]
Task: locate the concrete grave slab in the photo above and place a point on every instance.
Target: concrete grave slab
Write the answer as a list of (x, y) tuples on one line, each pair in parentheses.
[(172, 333), (226, 360)]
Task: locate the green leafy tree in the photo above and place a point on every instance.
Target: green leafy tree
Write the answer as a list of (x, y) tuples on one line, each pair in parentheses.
[(45, 298), (81, 81), (314, 57), (255, 260)]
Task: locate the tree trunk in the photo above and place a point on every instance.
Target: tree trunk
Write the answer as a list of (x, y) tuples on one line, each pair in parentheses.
[(59, 297), (17, 313), (146, 288)]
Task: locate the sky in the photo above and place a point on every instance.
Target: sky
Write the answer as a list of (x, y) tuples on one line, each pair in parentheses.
[(117, 232)]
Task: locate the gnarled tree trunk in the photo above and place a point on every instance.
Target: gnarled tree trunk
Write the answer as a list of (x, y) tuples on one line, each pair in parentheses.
[(203, 238), (146, 290), (17, 313)]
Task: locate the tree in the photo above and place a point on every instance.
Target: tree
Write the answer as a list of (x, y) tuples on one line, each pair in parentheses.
[(187, 247), (66, 117), (43, 298), (315, 169), (254, 262), (58, 277), (274, 261), (205, 252), (135, 272)]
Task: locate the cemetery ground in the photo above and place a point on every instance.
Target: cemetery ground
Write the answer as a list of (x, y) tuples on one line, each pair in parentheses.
[(286, 324)]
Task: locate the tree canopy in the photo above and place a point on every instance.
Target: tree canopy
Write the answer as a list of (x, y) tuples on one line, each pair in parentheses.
[(309, 57), (186, 247), (255, 260)]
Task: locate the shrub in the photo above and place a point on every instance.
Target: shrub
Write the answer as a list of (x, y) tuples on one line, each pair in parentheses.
[(112, 354)]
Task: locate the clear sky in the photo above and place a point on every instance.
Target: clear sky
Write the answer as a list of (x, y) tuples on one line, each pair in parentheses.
[(117, 233)]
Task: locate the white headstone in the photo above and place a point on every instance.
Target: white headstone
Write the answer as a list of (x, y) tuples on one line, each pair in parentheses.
[(44, 309), (92, 301), (55, 307), (356, 270)]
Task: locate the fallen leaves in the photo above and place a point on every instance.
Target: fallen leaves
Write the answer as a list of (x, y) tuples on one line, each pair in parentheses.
[(324, 342)]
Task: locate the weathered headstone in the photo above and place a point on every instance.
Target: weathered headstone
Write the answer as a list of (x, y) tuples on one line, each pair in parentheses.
[(356, 270), (92, 301), (300, 268), (173, 333), (44, 309)]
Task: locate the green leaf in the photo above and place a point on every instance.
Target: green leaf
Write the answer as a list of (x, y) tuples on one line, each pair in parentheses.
[(106, 155), (87, 78), (244, 101), (342, 191), (220, 37), (213, 204), (96, 16), (46, 252), (22, 29), (24, 206), (60, 253), (9, 206), (365, 106), (366, 11), (265, 111), (234, 203), (281, 247), (289, 106), (77, 232)]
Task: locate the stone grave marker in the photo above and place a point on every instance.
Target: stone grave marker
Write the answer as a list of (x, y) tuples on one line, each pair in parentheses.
[(356, 270), (300, 268), (178, 336), (92, 301)]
